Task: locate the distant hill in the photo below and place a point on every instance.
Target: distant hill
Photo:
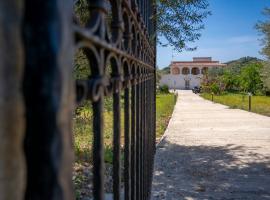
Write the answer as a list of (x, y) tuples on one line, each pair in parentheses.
[(244, 61), (237, 65), (234, 64), (161, 72), (165, 70)]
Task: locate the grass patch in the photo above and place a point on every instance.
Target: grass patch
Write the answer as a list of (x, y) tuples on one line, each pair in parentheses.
[(259, 104), (164, 105), (82, 128), (83, 139)]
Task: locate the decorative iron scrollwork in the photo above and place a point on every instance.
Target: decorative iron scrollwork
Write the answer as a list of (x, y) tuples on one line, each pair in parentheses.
[(121, 57)]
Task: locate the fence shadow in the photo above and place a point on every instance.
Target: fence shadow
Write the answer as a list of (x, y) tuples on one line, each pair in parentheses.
[(211, 172)]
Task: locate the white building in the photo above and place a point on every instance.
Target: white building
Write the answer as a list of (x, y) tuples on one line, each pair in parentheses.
[(188, 74)]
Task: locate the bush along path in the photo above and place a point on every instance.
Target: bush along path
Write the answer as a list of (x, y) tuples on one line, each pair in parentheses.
[(210, 151)]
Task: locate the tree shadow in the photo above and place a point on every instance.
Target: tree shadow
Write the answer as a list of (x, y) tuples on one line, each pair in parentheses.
[(211, 172)]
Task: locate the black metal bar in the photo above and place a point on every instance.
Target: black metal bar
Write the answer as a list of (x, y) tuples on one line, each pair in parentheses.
[(49, 37), (249, 102), (142, 137), (12, 170), (48, 40), (145, 140), (127, 145), (147, 149), (116, 146), (138, 131), (98, 150), (133, 142)]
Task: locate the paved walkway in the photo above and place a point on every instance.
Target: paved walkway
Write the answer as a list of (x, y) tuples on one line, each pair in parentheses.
[(212, 152)]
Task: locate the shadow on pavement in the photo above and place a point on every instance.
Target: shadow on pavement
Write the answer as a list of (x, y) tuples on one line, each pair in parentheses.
[(210, 172)]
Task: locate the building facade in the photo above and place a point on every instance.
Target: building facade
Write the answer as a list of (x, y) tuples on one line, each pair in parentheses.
[(188, 74)]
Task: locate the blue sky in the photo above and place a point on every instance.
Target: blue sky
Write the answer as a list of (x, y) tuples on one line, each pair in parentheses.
[(229, 33)]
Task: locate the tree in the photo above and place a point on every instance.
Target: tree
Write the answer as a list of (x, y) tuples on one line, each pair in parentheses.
[(264, 28), (212, 81), (237, 76), (180, 21), (230, 80), (250, 78), (265, 74)]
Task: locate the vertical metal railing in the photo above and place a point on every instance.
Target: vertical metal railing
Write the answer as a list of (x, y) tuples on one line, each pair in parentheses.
[(125, 39), (12, 170), (37, 92), (49, 98)]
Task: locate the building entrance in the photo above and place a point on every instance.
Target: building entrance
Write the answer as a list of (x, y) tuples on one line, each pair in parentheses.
[(187, 84)]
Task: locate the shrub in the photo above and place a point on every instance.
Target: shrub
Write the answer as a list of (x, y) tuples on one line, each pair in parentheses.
[(215, 88), (250, 78), (164, 89)]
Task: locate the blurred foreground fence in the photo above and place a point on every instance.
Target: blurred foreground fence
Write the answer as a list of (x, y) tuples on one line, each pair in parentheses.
[(38, 94)]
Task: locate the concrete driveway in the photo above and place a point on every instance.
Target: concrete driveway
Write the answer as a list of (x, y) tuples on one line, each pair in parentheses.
[(212, 152)]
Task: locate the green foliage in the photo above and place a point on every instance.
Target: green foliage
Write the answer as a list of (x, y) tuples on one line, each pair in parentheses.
[(82, 13), (243, 75), (164, 89), (165, 70), (236, 65), (214, 87), (215, 72), (158, 76), (265, 74), (259, 104), (161, 72), (264, 29), (212, 81), (180, 21), (164, 106), (250, 79), (81, 65), (108, 104), (230, 80), (108, 154), (232, 74), (83, 129)]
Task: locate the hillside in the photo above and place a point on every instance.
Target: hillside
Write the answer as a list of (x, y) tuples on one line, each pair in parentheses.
[(237, 65), (165, 70), (161, 72), (243, 61)]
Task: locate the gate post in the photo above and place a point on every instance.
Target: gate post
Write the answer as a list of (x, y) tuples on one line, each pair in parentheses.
[(11, 107), (48, 93)]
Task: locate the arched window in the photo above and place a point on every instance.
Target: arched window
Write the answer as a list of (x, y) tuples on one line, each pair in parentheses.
[(204, 70), (175, 71), (195, 71), (185, 71)]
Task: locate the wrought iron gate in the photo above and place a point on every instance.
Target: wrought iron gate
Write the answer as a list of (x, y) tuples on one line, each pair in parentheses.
[(37, 94)]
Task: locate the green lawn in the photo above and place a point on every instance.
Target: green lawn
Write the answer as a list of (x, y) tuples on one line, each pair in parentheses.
[(83, 139), (83, 126), (165, 105), (259, 104)]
